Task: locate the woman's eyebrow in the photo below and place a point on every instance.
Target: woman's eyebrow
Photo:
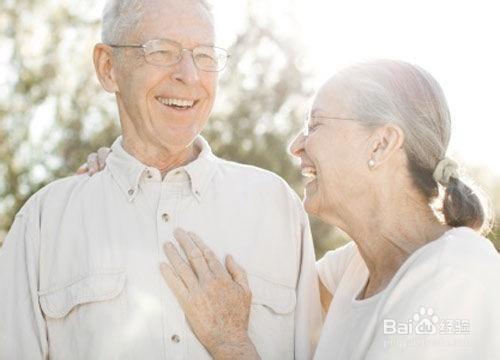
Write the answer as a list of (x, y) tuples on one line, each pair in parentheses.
[(317, 111)]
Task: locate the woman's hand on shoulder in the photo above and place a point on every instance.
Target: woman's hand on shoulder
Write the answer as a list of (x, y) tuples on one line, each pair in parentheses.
[(95, 162)]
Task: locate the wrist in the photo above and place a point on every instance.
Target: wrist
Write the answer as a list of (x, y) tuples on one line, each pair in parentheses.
[(240, 348)]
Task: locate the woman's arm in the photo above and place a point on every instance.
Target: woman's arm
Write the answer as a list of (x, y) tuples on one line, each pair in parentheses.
[(325, 296), (215, 299), (330, 269)]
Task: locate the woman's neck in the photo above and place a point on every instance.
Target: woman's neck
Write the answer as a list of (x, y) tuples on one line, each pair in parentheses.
[(388, 231)]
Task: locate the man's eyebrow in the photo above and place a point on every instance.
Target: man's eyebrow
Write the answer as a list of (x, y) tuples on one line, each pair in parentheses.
[(177, 42)]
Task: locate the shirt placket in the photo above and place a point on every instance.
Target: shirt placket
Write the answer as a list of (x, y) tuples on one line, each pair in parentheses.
[(174, 322)]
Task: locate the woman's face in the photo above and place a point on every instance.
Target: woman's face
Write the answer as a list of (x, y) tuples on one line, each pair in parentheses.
[(334, 154)]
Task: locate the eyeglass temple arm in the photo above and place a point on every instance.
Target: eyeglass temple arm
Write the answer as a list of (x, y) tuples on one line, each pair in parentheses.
[(126, 46)]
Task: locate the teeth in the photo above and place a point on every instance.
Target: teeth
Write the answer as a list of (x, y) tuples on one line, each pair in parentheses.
[(309, 171), (177, 102)]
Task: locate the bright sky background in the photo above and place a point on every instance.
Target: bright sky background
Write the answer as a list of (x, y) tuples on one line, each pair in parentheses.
[(456, 41)]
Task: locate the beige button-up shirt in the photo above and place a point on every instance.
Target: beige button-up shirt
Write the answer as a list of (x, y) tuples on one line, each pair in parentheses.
[(79, 269)]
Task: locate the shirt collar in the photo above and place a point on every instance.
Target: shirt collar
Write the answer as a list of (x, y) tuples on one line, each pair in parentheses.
[(128, 171), (202, 169)]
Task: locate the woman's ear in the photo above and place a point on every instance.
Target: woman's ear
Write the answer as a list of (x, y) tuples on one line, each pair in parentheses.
[(104, 67), (386, 141)]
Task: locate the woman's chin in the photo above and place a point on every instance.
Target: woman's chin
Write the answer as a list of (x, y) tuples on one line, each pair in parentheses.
[(310, 203), (313, 202)]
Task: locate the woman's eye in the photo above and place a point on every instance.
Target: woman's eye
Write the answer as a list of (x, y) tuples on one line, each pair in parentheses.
[(312, 127)]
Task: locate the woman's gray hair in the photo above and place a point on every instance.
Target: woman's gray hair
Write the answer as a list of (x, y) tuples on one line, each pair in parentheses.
[(120, 16), (387, 91)]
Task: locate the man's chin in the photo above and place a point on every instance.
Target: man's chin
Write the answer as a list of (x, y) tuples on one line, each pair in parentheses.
[(176, 143)]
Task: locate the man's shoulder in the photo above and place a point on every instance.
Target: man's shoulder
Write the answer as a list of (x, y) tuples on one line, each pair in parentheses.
[(56, 192), (256, 180), (252, 175), (261, 183)]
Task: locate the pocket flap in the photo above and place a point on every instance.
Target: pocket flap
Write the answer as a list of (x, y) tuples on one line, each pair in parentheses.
[(95, 287), (279, 298)]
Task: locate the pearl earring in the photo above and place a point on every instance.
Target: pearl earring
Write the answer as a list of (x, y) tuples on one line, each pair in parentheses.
[(371, 163)]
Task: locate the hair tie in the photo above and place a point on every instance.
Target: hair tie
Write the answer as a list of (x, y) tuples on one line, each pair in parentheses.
[(445, 169)]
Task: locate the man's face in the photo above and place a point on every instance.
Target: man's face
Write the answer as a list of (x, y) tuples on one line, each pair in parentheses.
[(146, 92)]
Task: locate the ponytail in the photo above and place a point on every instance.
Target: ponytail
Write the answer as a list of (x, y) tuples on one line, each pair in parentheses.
[(464, 205)]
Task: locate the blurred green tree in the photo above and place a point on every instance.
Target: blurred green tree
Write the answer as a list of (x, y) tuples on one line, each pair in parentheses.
[(53, 112), (50, 114)]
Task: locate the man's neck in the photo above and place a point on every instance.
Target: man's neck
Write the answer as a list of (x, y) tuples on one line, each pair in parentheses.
[(162, 159)]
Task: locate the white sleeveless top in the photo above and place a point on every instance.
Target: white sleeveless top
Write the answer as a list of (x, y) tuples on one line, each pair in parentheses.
[(443, 303)]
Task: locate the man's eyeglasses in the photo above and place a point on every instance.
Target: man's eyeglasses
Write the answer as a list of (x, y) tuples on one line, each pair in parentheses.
[(164, 52)]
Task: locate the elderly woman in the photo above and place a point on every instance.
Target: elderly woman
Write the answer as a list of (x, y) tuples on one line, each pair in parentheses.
[(418, 281)]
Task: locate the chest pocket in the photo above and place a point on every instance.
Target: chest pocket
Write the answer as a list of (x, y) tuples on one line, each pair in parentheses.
[(91, 288), (85, 317), (272, 318)]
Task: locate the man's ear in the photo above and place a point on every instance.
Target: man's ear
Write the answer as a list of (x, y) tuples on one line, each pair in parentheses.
[(387, 140), (104, 67)]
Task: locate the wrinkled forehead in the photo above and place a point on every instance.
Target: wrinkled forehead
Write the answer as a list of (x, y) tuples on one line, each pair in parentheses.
[(186, 21), (330, 100)]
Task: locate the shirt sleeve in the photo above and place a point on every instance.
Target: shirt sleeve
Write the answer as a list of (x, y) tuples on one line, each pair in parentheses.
[(22, 326), (451, 316), (308, 314), (332, 265)]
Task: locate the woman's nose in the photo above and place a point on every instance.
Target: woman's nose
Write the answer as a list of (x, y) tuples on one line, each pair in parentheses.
[(297, 145)]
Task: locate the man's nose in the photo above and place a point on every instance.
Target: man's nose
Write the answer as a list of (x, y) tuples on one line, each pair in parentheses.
[(186, 70), (297, 146)]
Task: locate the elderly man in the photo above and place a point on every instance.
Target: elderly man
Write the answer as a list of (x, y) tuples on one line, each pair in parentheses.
[(79, 274)]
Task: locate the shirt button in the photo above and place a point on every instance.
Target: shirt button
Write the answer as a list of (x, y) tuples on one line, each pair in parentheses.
[(149, 175), (165, 217), (131, 192), (175, 339)]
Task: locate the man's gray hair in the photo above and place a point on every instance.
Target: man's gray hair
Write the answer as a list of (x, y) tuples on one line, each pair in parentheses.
[(387, 91), (119, 16)]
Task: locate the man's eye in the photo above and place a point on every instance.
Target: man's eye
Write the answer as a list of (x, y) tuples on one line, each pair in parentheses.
[(204, 56), (205, 59), (164, 53)]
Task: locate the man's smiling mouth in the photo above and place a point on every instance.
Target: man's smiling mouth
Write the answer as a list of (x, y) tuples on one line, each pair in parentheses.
[(178, 104)]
